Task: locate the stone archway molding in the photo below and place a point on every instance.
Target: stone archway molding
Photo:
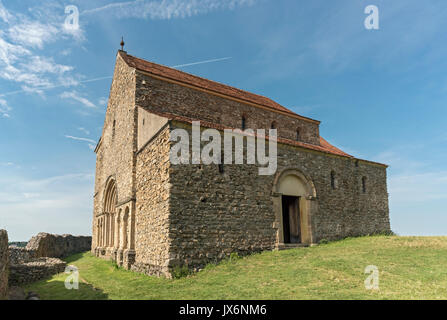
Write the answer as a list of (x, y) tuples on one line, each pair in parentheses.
[(305, 190)]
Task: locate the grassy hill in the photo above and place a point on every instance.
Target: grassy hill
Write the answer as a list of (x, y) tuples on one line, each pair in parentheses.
[(409, 268)]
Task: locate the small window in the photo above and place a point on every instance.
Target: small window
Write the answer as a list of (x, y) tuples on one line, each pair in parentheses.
[(364, 184), (273, 126), (333, 180), (113, 128), (144, 121), (244, 123), (298, 135)]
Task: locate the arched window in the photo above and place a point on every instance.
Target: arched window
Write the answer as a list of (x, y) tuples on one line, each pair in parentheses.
[(110, 197), (364, 184), (273, 125), (333, 180), (113, 129), (244, 123), (298, 136)]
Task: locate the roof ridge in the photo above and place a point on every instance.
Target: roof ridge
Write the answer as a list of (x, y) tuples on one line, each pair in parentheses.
[(234, 92), (209, 80)]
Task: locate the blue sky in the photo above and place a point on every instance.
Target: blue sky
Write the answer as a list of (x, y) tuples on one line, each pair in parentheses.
[(380, 94)]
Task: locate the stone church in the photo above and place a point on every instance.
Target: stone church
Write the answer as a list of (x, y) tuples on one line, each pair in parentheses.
[(152, 216)]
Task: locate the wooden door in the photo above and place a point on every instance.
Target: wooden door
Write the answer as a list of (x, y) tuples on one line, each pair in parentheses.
[(291, 219)]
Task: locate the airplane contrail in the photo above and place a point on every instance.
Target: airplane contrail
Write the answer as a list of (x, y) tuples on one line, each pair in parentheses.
[(108, 77), (200, 62), (80, 139)]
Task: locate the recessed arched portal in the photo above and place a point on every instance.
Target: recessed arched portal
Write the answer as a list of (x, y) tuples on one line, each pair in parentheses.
[(294, 198), (110, 200)]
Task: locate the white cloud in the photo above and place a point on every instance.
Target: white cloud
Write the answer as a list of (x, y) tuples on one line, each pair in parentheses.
[(167, 9), (9, 53), (102, 101), (76, 96), (4, 14), (418, 187), (87, 132), (39, 64), (33, 34), (5, 109), (22, 35)]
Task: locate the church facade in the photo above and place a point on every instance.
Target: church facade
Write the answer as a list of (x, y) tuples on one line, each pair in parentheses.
[(151, 215)]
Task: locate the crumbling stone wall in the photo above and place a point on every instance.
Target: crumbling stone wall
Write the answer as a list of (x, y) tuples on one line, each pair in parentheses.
[(39, 259), (4, 264), (20, 255), (35, 270), (57, 246)]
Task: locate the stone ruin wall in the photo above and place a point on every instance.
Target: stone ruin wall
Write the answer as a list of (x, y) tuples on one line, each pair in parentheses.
[(4, 264), (34, 270), (58, 246), (40, 258)]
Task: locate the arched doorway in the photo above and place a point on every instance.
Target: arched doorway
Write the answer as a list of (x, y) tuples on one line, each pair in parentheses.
[(294, 199), (110, 200)]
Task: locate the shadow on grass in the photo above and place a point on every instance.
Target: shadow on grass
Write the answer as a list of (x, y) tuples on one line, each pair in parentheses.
[(55, 290), (74, 257)]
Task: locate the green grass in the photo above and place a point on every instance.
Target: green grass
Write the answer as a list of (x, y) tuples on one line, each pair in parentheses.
[(410, 268)]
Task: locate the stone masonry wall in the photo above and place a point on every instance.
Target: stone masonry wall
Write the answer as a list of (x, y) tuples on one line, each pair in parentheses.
[(4, 264), (116, 154), (162, 96), (58, 246), (39, 259), (152, 223), (213, 214), (35, 270), (21, 255)]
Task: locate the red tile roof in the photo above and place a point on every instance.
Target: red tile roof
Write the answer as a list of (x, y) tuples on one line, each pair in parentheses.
[(186, 78)]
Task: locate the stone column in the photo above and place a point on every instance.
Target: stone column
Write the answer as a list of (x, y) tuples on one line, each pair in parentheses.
[(277, 208), (117, 232)]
